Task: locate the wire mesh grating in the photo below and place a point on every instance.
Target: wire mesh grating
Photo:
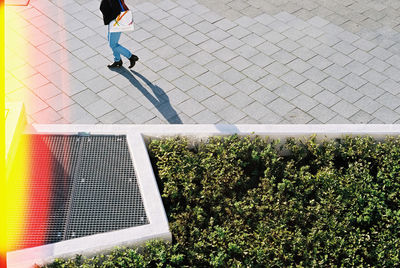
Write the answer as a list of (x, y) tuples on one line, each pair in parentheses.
[(81, 185), (110, 177)]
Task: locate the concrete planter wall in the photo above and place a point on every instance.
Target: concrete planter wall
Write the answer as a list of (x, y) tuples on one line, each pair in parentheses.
[(137, 136)]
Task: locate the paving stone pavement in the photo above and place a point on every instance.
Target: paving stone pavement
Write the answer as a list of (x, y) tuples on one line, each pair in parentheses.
[(208, 61)]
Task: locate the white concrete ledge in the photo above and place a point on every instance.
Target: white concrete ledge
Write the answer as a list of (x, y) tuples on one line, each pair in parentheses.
[(88, 245), (136, 135), (203, 131), (15, 125)]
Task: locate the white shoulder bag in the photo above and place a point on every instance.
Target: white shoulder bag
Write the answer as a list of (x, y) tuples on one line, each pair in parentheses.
[(123, 23)]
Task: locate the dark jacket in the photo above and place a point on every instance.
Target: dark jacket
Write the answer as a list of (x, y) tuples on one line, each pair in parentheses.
[(111, 9)]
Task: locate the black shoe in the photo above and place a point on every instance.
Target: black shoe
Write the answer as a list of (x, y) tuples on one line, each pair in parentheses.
[(133, 59), (115, 64)]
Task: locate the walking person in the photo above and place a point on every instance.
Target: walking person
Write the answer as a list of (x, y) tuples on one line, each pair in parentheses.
[(110, 10)]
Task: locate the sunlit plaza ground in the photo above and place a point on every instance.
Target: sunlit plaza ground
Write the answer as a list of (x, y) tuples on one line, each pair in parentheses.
[(208, 61)]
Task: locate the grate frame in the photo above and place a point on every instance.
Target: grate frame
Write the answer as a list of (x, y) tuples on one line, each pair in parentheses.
[(157, 228)]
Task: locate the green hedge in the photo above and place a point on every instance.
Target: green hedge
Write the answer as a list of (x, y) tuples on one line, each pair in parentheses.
[(234, 202)]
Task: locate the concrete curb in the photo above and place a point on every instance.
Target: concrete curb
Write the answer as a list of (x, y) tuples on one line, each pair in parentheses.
[(206, 130)]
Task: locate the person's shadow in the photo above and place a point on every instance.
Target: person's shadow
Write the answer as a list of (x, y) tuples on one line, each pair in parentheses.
[(160, 101)]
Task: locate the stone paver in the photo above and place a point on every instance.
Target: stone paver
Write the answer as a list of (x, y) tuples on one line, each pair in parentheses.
[(208, 61)]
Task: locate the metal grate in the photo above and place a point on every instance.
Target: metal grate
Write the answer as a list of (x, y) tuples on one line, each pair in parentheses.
[(78, 186), (106, 196)]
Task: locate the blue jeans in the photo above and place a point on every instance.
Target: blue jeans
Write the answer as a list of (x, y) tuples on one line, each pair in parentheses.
[(117, 49)]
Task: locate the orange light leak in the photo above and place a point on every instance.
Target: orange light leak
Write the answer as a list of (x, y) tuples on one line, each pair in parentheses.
[(24, 212), (27, 224), (16, 199), (3, 250), (25, 197)]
